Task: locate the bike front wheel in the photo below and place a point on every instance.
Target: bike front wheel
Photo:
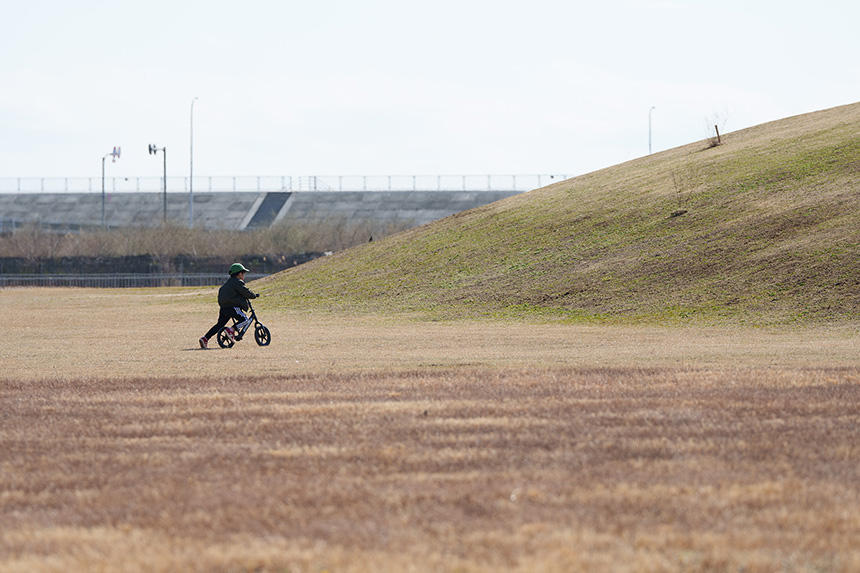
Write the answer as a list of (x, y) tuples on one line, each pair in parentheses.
[(262, 335)]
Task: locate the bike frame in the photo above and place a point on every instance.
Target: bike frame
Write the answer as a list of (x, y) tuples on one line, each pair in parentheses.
[(252, 319)]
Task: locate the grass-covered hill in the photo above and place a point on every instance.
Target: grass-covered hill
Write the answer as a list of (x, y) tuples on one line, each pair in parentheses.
[(762, 229)]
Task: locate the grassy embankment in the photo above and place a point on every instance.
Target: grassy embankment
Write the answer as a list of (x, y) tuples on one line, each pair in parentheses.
[(769, 235)]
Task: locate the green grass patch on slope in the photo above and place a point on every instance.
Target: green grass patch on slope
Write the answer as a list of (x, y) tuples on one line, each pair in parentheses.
[(769, 234)]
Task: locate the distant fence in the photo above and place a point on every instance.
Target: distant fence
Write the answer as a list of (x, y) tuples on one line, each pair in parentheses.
[(204, 184), (118, 280)]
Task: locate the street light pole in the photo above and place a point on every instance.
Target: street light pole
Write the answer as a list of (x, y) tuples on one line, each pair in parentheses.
[(649, 128), (115, 155), (191, 171), (152, 151)]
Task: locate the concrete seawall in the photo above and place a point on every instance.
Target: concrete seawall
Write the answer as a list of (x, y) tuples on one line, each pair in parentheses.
[(239, 210)]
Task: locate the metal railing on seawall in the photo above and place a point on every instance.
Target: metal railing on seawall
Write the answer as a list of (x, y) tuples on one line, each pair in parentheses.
[(118, 280), (259, 183)]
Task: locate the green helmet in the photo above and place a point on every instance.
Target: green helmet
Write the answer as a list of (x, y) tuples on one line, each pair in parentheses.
[(237, 268)]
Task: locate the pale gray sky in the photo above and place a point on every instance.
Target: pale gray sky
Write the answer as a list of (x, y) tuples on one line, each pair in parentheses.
[(400, 87)]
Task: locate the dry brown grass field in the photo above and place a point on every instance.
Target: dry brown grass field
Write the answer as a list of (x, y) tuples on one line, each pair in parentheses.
[(358, 443)]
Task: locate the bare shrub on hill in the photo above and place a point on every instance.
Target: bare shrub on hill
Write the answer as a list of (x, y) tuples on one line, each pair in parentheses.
[(714, 124), (684, 181)]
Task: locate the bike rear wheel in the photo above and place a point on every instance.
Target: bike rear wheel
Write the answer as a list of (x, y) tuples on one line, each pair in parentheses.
[(224, 340)]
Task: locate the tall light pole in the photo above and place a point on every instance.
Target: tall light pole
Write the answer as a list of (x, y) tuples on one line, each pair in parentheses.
[(649, 128), (115, 155), (191, 171), (152, 151)]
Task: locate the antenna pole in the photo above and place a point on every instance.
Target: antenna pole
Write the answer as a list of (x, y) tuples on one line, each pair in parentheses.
[(191, 171), (164, 154)]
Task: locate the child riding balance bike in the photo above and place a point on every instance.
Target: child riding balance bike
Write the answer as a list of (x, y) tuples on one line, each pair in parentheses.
[(233, 300)]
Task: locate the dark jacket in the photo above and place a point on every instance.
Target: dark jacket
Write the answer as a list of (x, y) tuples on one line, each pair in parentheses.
[(234, 293)]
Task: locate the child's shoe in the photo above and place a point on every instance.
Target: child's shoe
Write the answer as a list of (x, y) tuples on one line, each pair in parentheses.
[(231, 334), (203, 342)]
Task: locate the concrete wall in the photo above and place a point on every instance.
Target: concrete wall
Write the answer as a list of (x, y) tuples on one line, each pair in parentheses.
[(410, 207), (241, 210), (212, 210)]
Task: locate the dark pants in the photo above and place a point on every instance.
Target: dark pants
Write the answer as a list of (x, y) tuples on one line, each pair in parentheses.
[(224, 316)]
